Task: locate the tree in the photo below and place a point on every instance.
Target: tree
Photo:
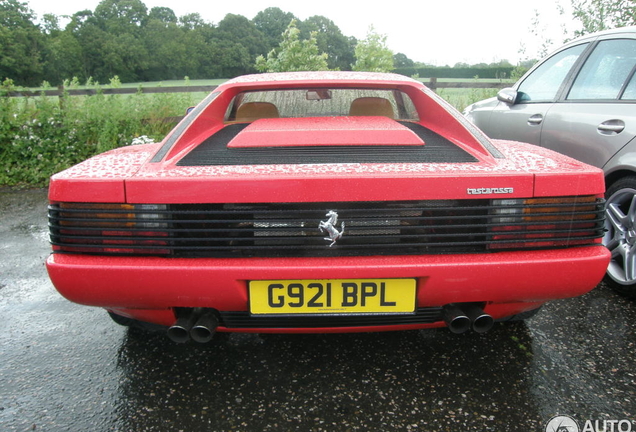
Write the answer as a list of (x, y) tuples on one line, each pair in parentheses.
[(231, 59), (62, 56), (401, 60), (272, 22), (163, 14), (121, 16), (293, 54), (167, 43), (20, 44), (596, 15), (238, 29), (330, 39), (192, 21), (372, 54)]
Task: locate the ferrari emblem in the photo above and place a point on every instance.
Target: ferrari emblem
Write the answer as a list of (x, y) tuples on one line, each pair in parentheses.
[(330, 227)]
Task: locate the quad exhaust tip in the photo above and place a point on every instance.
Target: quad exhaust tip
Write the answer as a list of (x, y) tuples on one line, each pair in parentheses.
[(196, 324), (200, 325), (461, 317), (205, 327)]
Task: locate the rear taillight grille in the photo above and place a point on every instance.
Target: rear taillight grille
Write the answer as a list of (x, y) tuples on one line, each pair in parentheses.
[(289, 229)]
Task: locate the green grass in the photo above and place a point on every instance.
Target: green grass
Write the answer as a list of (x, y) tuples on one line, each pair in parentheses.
[(40, 136), (75, 84), (176, 83), (461, 98)]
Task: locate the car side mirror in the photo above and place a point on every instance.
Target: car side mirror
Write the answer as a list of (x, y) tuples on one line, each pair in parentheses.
[(508, 95)]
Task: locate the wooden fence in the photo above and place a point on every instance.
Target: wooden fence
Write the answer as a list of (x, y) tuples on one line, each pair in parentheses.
[(432, 83)]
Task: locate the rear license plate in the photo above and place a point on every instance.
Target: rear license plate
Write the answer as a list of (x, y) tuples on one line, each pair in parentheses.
[(332, 296)]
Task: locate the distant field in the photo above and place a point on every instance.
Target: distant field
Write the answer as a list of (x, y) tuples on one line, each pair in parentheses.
[(175, 83), (458, 97)]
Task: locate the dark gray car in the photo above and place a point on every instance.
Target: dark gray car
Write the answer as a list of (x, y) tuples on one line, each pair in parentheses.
[(581, 101)]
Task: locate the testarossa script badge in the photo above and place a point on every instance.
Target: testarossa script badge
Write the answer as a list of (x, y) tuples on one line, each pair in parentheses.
[(486, 191)]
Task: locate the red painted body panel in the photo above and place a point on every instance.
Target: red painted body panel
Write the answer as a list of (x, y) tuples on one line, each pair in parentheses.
[(160, 283), (148, 288), (324, 131), (292, 187)]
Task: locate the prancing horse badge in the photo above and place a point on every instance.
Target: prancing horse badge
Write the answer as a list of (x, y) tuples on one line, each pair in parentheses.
[(330, 227)]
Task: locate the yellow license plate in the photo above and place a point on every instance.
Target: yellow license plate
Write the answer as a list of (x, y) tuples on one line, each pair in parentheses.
[(332, 296)]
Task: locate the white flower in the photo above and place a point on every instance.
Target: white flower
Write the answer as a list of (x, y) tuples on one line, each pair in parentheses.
[(142, 140)]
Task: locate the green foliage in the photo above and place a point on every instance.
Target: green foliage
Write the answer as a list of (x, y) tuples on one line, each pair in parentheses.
[(272, 22), (330, 40), (461, 98), (372, 54), (43, 135), (597, 15), (20, 42), (293, 54), (401, 60), (121, 37), (239, 30)]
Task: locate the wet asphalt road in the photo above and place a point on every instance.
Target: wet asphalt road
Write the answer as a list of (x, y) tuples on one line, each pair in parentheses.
[(65, 367)]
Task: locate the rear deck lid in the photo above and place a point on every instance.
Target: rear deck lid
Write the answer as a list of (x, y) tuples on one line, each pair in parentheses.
[(325, 131), (325, 140)]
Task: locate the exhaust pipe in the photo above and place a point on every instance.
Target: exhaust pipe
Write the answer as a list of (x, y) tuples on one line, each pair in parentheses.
[(205, 327), (456, 320), (481, 321), (179, 332)]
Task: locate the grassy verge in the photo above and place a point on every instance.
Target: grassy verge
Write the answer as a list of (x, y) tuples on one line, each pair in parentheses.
[(40, 136), (461, 98)]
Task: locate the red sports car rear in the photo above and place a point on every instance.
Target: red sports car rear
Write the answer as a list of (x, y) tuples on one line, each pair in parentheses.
[(325, 202)]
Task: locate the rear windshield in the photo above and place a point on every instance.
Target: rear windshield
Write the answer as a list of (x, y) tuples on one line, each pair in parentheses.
[(321, 102)]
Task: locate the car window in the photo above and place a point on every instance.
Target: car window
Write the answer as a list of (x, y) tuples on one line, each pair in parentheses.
[(605, 71), (544, 82), (630, 90), (325, 102)]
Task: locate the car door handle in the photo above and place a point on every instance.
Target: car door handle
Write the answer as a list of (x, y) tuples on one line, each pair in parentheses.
[(535, 119), (611, 127)]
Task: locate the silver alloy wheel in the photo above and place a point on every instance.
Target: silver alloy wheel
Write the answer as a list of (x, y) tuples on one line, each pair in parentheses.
[(620, 236)]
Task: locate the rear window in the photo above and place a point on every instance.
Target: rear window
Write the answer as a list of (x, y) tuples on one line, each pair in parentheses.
[(321, 102)]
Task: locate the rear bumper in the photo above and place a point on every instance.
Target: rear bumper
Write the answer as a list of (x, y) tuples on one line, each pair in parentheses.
[(148, 288)]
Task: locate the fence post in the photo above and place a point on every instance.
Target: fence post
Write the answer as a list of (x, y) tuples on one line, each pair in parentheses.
[(60, 96), (432, 84)]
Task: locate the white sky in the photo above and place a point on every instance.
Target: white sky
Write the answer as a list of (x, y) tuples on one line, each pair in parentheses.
[(439, 32)]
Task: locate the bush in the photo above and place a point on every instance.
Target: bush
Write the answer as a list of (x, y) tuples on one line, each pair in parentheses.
[(42, 135)]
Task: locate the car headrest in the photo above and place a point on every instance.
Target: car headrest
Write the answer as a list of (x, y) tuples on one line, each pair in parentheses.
[(256, 110), (371, 106)]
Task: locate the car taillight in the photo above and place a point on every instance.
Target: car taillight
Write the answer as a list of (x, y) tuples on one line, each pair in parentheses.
[(546, 222), (109, 228)]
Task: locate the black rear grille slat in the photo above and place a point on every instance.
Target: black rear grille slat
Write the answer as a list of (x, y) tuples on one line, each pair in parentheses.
[(214, 151), (290, 229), (246, 320)]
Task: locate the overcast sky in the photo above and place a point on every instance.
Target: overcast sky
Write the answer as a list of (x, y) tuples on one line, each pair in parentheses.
[(436, 32)]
